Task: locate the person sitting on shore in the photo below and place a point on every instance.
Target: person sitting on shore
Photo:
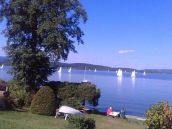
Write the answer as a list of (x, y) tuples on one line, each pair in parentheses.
[(112, 113), (109, 111), (122, 113)]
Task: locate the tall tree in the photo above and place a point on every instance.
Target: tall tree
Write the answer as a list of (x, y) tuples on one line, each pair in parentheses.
[(39, 31)]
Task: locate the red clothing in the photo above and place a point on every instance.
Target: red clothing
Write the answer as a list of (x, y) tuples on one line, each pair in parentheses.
[(109, 110)]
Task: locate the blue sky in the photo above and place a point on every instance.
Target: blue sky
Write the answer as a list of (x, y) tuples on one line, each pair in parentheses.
[(125, 33)]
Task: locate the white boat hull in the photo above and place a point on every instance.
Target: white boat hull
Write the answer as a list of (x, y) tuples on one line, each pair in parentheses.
[(69, 110)]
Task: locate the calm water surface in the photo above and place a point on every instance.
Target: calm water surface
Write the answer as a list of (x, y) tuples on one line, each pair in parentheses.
[(135, 95)]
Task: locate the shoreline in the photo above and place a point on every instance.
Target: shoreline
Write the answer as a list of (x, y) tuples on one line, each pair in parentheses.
[(140, 118), (136, 117)]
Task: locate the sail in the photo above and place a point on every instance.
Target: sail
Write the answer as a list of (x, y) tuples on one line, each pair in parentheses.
[(119, 73), (69, 70), (95, 70), (144, 73), (60, 70), (133, 74), (2, 66)]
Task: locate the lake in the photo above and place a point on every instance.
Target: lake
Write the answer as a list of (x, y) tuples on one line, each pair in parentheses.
[(135, 95)]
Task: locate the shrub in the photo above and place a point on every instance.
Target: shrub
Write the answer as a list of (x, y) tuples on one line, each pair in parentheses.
[(77, 122), (159, 116), (10, 103), (76, 94), (72, 102), (44, 102), (17, 92), (29, 98), (168, 116)]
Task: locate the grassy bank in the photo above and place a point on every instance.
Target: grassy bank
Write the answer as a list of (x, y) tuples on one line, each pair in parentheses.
[(25, 120)]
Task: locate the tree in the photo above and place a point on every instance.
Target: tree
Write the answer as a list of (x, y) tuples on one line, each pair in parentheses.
[(40, 31), (159, 116), (88, 92), (75, 94)]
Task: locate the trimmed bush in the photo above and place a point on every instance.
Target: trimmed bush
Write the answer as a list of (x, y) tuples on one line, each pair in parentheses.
[(77, 122), (44, 102)]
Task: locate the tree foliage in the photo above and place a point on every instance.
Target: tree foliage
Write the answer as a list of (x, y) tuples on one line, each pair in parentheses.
[(17, 92), (159, 116), (39, 31), (76, 94), (44, 102)]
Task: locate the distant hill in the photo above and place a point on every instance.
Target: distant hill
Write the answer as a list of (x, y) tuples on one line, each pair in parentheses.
[(168, 71), (82, 66)]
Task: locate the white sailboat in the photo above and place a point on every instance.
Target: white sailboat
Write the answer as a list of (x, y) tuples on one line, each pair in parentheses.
[(2, 66), (133, 74), (144, 73), (69, 71), (119, 73), (60, 70), (95, 70)]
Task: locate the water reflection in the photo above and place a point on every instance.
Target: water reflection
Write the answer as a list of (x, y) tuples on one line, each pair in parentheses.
[(133, 81), (59, 76), (69, 77), (135, 94), (119, 81)]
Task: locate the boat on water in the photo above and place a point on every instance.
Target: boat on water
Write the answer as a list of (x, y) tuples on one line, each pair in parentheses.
[(2, 66), (119, 73), (133, 74), (69, 71), (144, 73), (85, 80), (60, 70), (95, 70)]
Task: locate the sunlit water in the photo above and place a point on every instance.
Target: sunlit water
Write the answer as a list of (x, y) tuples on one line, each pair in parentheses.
[(135, 95)]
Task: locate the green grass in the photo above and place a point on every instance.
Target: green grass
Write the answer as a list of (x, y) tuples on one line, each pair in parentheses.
[(104, 122), (25, 120)]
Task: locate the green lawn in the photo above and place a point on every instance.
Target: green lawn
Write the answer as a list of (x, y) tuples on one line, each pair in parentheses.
[(25, 120)]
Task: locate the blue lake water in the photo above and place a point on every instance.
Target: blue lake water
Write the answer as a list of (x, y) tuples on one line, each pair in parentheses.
[(135, 95)]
